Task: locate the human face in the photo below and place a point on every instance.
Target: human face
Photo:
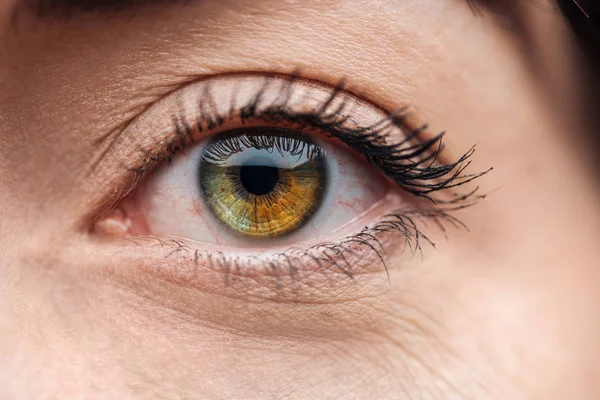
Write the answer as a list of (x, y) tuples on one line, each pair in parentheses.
[(121, 275)]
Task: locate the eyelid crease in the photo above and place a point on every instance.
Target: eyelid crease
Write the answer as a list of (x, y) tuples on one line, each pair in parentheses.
[(412, 161)]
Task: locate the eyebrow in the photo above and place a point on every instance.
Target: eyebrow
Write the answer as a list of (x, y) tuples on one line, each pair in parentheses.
[(65, 9)]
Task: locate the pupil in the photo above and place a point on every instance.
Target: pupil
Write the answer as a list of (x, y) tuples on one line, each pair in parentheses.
[(259, 179)]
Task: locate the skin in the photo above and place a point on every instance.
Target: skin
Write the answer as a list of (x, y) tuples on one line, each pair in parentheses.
[(506, 310)]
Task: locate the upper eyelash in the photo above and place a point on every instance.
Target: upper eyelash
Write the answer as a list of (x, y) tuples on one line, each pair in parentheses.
[(221, 150), (411, 163)]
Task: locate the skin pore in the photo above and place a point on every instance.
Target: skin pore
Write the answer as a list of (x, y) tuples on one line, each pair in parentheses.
[(504, 310)]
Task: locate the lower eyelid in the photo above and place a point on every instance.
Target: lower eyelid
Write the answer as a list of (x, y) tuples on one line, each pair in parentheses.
[(308, 273), (314, 303), (313, 310)]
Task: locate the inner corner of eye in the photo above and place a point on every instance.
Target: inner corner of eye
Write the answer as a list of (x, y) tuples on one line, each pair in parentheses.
[(123, 220)]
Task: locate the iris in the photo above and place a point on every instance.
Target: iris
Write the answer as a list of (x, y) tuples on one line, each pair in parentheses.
[(263, 182)]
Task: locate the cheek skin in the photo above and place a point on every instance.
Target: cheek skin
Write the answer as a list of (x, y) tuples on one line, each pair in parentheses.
[(131, 342), (469, 332)]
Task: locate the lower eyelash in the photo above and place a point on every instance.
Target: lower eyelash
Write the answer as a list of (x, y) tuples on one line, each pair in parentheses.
[(326, 258)]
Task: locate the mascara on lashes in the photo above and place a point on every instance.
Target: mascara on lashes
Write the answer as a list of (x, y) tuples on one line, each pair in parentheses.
[(412, 162)]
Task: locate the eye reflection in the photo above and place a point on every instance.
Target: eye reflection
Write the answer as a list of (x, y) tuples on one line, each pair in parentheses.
[(263, 182)]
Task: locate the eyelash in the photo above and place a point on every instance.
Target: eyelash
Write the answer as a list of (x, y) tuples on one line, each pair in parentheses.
[(422, 177), (412, 164), (224, 149)]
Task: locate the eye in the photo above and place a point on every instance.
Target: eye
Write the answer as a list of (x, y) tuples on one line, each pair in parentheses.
[(260, 176), (259, 186)]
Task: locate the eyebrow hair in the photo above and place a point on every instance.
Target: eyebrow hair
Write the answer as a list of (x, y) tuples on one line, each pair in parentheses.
[(65, 9)]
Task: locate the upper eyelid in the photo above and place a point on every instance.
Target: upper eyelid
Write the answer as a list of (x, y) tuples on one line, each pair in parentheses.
[(112, 136), (169, 118)]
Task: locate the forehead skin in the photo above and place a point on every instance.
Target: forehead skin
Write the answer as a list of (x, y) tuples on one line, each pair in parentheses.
[(507, 310)]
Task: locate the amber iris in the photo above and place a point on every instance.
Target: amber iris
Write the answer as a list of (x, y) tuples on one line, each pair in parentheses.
[(263, 182)]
